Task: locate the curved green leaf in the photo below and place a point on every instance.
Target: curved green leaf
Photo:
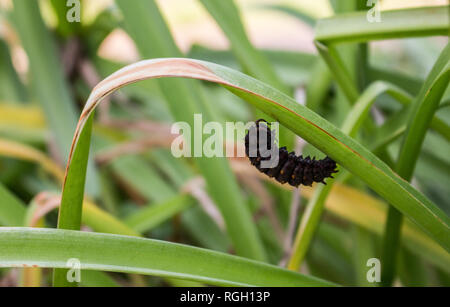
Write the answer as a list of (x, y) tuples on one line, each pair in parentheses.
[(69, 216), (307, 124)]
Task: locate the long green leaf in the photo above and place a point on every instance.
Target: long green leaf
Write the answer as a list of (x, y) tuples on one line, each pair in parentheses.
[(70, 210), (54, 247), (424, 108), (354, 26), (310, 126)]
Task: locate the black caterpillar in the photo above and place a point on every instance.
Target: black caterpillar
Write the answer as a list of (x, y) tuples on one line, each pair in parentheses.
[(292, 169)]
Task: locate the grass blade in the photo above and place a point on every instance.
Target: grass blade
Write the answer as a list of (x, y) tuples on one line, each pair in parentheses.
[(354, 27), (53, 247), (424, 107), (70, 210), (314, 129)]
